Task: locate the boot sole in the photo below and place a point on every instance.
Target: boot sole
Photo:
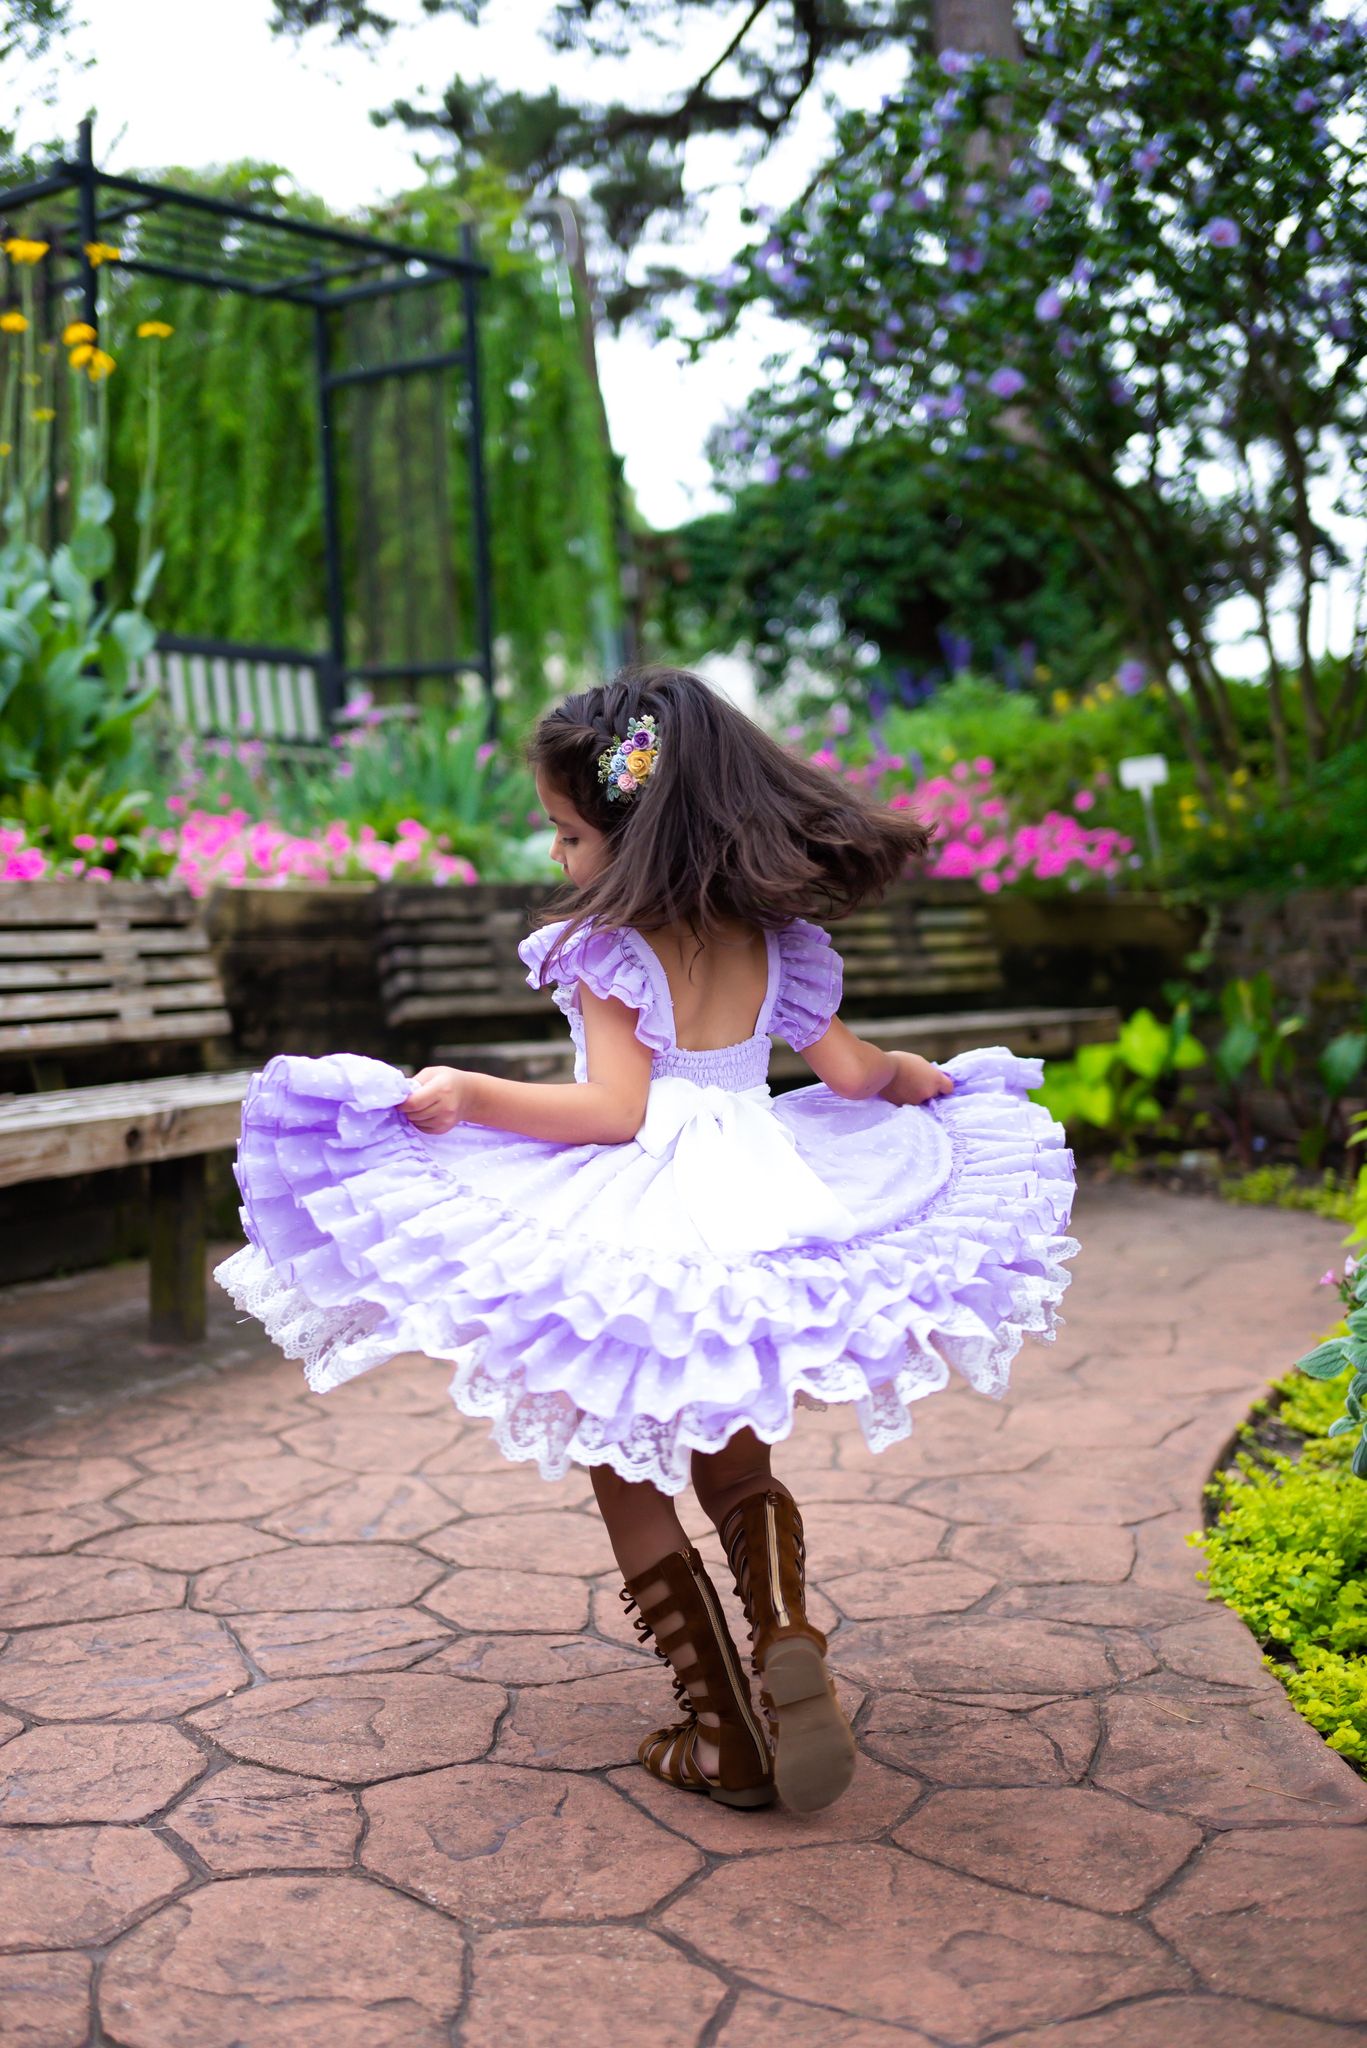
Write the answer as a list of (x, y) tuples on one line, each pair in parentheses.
[(814, 1752)]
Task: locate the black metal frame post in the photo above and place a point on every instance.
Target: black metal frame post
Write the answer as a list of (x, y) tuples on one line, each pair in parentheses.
[(479, 506), (330, 681), (88, 203)]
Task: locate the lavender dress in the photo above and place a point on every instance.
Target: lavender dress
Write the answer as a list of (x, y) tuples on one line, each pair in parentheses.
[(629, 1304)]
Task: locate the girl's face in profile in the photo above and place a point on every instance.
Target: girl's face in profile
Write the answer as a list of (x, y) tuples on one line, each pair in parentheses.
[(579, 848)]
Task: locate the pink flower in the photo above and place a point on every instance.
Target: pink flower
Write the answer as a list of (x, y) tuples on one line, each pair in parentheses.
[(960, 771), (990, 882), (85, 841), (1084, 800), (98, 875), (983, 766)]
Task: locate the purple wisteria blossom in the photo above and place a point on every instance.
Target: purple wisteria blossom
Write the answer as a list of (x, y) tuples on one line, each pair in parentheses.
[(976, 193), (1131, 677), (1065, 341), (1105, 191), (881, 203), (1305, 102), (1150, 156), (1120, 391), (919, 197), (1038, 200), (1083, 271), (1296, 44), (947, 106), (1314, 241), (739, 441), (772, 470), (1222, 233), (1241, 23), (1006, 382), (884, 346), (954, 63), (1246, 84), (1049, 304)]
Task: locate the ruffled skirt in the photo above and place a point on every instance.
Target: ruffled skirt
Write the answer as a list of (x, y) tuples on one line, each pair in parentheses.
[(588, 1316)]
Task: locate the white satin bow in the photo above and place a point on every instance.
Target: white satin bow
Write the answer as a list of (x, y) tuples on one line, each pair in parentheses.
[(738, 1172)]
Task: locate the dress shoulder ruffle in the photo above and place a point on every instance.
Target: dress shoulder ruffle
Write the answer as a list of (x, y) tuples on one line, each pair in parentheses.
[(607, 962), (811, 977)]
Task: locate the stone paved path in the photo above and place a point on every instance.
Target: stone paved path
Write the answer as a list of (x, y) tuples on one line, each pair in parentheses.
[(318, 1719)]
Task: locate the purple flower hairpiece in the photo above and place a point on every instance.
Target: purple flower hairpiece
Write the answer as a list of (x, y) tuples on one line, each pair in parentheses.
[(630, 761)]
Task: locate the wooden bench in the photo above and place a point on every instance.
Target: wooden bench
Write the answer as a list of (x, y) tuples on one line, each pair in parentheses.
[(922, 974), (86, 967), (251, 693)]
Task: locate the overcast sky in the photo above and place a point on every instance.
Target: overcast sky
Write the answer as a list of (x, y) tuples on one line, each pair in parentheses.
[(197, 82)]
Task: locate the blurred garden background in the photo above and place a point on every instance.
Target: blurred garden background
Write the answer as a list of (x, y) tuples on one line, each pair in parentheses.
[(1032, 498)]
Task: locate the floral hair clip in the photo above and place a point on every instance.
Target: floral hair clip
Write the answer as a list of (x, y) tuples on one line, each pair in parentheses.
[(631, 761)]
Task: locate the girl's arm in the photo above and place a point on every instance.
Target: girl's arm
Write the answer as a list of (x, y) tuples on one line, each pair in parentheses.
[(607, 1109), (854, 1068)]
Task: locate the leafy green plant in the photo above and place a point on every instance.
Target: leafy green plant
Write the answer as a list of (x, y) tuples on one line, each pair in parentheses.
[(1125, 1087), (1288, 1553), (1255, 1042), (80, 823), (1347, 1353)]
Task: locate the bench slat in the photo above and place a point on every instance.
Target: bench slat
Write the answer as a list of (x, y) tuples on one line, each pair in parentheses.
[(25, 1038), (87, 1130)]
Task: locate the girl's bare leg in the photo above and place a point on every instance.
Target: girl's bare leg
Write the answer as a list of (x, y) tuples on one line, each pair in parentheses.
[(723, 1478), (643, 1526)]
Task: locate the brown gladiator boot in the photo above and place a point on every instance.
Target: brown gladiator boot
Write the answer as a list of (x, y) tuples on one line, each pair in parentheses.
[(813, 1746), (678, 1606)]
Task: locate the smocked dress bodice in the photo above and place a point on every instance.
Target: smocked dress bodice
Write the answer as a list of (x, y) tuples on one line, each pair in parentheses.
[(801, 996)]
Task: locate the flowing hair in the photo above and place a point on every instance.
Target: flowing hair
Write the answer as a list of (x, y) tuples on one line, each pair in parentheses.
[(727, 825)]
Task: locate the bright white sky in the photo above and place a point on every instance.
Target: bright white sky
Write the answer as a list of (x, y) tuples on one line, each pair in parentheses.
[(196, 82)]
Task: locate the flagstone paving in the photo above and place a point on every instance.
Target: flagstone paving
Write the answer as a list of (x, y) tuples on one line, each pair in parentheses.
[(317, 1720)]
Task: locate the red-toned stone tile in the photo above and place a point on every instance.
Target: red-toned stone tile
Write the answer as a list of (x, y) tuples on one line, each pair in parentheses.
[(1072, 1493), (492, 1845), (133, 1667), (872, 1931), (37, 1590), (586, 1724), (1044, 1552), (877, 1799), (1163, 1556), (237, 1493), (357, 1730), (952, 1744), (1076, 1421), (37, 1485), (966, 1449), (1074, 1727), (244, 1818), (1218, 1648), (210, 1450), (407, 1386), (333, 1575), (45, 1999), (319, 1640), (1068, 1843), (582, 1988), (372, 1507), (1177, 2022), (756, 2021), (972, 1654), (81, 1772), (10, 1726), (529, 1660), (351, 1964), (1230, 1759), (877, 1536), (516, 1490), (1125, 1605), (1279, 1907), (122, 1431), (474, 1450), (809, 1487), (514, 1601), (554, 1542), (184, 1546), (69, 1887), (55, 1529), (378, 1442), (936, 1587)]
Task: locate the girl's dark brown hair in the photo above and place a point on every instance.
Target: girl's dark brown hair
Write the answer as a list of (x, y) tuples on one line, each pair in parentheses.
[(728, 824)]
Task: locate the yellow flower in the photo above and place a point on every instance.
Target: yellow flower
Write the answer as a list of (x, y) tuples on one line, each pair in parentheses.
[(102, 252), (1042, 672), (77, 332), (20, 250), (154, 330), (13, 323), (44, 413), (100, 366), (640, 763), (1104, 693), (1061, 701), (81, 356), (946, 753), (1237, 802), (4, 448), (1239, 776)]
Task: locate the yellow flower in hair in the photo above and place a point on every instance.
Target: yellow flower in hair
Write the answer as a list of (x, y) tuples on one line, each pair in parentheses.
[(154, 330), (640, 764), (13, 323), (77, 332)]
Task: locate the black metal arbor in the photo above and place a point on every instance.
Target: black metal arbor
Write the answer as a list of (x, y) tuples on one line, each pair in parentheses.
[(329, 273)]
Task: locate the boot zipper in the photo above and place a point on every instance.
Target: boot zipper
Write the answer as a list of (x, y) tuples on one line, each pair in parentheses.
[(771, 1527), (738, 1694)]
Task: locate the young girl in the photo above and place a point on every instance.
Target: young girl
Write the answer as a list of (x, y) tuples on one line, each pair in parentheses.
[(645, 1269)]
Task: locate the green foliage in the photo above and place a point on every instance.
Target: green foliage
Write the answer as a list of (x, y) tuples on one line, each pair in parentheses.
[(1347, 1352), (1126, 1086), (1289, 1553), (866, 555), (1279, 1186), (82, 820)]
